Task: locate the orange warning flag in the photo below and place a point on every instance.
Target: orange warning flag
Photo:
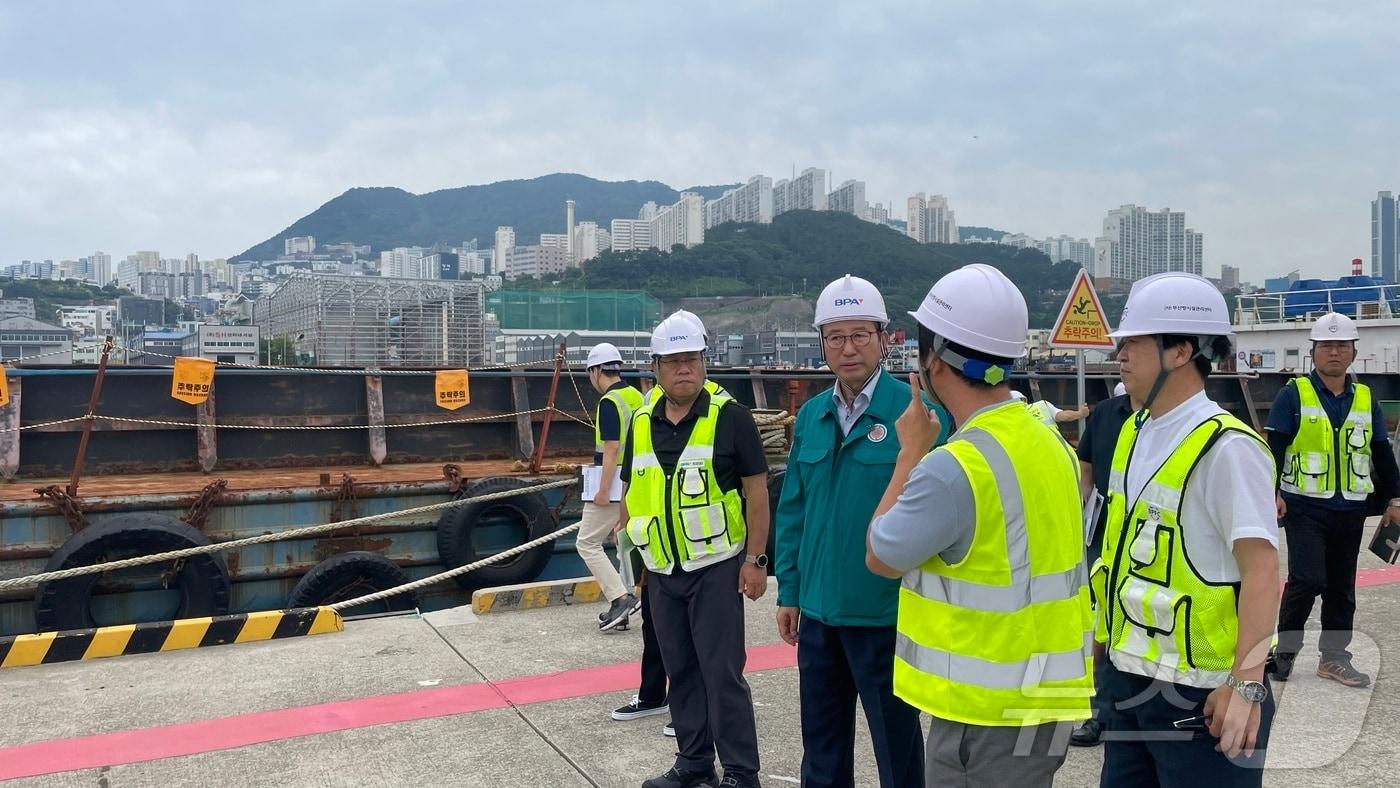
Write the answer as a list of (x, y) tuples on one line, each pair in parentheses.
[(193, 379), (453, 391), (1081, 323), (4, 388)]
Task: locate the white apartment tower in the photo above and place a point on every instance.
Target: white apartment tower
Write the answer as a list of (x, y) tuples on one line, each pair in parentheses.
[(505, 241), (806, 192), (849, 197), (590, 240), (681, 224), (752, 202), (1138, 243), (931, 220), (569, 229), (101, 264)]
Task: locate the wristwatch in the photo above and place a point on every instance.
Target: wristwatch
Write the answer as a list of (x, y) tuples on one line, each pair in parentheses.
[(760, 560), (1252, 691)]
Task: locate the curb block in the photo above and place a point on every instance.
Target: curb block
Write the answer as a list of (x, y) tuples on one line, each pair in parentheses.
[(528, 596), (46, 648)]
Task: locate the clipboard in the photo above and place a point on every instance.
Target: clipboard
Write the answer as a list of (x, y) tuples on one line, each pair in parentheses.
[(1386, 543), (1092, 507), (592, 474)]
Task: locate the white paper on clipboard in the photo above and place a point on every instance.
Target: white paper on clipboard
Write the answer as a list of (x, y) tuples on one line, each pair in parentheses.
[(591, 476), (1092, 507)]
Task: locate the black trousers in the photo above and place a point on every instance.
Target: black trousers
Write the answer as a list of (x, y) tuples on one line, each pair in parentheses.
[(699, 618), (653, 688), (1322, 549), (1143, 750), (835, 666)]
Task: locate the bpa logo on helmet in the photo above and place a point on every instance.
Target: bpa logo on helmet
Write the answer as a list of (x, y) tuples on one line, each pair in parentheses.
[(849, 302), (679, 338)]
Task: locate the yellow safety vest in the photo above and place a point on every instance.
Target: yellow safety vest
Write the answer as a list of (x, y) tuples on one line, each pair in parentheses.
[(656, 392), (682, 516), (1155, 611), (1322, 460), (1003, 637), (627, 400)]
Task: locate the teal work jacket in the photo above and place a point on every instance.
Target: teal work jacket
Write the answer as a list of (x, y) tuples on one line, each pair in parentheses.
[(832, 486)]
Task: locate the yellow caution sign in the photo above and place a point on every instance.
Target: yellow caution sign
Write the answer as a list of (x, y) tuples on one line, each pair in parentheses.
[(1081, 323), (4, 388), (193, 379), (453, 390)]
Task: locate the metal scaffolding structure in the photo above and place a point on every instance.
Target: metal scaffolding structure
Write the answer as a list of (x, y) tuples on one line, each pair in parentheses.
[(330, 320)]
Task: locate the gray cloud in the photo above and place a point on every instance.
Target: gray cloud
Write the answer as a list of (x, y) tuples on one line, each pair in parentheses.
[(190, 127)]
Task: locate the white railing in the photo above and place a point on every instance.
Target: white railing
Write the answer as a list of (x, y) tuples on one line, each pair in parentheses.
[(1362, 302)]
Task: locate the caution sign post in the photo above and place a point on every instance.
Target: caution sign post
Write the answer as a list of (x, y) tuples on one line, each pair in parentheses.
[(1081, 326)]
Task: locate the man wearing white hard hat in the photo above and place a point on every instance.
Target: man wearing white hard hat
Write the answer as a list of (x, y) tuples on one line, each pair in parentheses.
[(715, 389), (841, 616), (1187, 585), (1335, 467), (695, 505), (1095, 451), (1049, 413), (994, 620), (614, 412)]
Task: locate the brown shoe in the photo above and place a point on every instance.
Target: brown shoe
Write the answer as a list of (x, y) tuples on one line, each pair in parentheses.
[(1342, 672)]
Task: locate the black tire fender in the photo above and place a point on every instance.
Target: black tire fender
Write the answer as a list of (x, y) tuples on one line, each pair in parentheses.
[(776, 475), (349, 575), (454, 533), (203, 580)]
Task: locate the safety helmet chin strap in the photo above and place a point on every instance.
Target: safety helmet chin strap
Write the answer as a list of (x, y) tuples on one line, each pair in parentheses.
[(1202, 342)]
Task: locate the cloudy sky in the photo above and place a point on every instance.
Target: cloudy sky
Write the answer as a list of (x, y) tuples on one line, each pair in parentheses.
[(207, 128)]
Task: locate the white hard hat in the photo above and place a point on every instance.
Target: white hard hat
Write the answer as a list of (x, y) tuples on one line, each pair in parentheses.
[(1016, 395), (678, 334), (694, 318), (1334, 326), (1119, 390), (1174, 303), (850, 298), (977, 307), (603, 353)]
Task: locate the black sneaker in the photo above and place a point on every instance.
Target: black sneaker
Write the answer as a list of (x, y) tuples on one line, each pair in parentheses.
[(740, 781), (669, 729), (1087, 735), (676, 777), (621, 608), (635, 709), (1281, 665), (1342, 672)]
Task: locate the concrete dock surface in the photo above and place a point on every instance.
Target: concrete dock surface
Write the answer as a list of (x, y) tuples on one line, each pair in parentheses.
[(523, 699)]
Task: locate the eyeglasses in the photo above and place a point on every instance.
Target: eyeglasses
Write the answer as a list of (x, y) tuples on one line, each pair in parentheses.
[(689, 359), (857, 338)]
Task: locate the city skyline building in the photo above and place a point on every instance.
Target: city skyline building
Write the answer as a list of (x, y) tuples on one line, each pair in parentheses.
[(752, 202), (930, 219), (590, 240), (805, 192), (1385, 238), (1138, 242), (504, 242), (849, 197)]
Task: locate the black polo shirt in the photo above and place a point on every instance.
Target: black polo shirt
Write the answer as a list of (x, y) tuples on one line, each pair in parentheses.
[(738, 447), (1100, 438)]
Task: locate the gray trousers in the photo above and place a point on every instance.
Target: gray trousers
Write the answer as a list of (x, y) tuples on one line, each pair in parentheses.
[(699, 620), (974, 756)]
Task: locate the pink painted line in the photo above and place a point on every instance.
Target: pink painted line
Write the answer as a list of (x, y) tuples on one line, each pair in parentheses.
[(226, 733), (1365, 578)]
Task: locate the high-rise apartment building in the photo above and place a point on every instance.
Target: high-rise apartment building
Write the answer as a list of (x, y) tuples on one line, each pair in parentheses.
[(931, 220), (100, 264), (752, 202), (1385, 238), (849, 197), (505, 241), (806, 192), (535, 261), (555, 241), (1229, 277), (1138, 243), (302, 244), (590, 240), (403, 262), (681, 224)]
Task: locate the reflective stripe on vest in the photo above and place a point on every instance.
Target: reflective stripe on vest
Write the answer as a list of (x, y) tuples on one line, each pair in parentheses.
[(1311, 466), (1002, 638), (682, 516), (1157, 615), (627, 400)]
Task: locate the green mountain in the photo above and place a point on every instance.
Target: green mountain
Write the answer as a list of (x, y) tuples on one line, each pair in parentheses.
[(801, 251), (386, 217)]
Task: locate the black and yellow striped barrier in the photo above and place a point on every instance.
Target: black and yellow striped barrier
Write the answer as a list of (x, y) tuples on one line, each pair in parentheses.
[(48, 647)]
